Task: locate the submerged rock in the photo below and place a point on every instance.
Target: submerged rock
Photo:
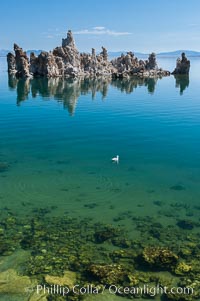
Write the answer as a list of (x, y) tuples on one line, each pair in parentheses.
[(185, 224), (66, 61), (182, 268), (68, 279), (182, 65), (159, 258), (108, 274), (58, 245), (38, 297), (177, 187), (4, 166), (12, 283), (106, 233)]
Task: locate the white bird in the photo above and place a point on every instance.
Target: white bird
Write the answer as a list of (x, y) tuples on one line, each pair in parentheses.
[(115, 159)]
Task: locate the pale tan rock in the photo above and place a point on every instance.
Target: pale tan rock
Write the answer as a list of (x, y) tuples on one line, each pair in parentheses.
[(38, 297), (12, 283), (68, 279)]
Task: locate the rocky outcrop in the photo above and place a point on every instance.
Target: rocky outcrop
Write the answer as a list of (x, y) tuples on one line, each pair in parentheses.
[(11, 63), (108, 274), (159, 258), (151, 63), (18, 64), (67, 57), (66, 61), (128, 64), (44, 65), (182, 65)]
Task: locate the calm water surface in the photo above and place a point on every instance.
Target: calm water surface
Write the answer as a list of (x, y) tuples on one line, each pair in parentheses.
[(58, 137)]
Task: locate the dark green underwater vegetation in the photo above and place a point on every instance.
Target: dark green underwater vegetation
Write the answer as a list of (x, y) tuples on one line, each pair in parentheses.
[(103, 254)]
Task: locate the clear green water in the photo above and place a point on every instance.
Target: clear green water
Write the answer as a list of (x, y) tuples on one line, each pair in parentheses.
[(58, 138)]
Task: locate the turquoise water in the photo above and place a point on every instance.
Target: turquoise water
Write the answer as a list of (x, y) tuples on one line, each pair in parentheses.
[(57, 139)]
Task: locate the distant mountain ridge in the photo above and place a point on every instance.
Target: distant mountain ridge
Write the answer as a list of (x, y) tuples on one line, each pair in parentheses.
[(188, 53), (176, 53)]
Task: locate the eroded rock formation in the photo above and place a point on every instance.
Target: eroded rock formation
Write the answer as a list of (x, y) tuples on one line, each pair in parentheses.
[(18, 64), (66, 61), (11, 63), (128, 64), (151, 64), (182, 65)]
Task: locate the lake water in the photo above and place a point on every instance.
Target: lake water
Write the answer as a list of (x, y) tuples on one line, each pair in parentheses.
[(57, 138)]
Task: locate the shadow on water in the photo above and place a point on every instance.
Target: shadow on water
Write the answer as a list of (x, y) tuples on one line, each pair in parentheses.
[(68, 91)]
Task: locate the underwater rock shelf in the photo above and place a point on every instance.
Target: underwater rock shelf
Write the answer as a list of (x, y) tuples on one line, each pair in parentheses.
[(68, 251), (66, 61)]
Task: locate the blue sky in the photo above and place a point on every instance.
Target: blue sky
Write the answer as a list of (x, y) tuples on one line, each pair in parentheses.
[(137, 25)]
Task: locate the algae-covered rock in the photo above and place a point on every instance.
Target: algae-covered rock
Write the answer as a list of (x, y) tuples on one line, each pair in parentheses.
[(133, 280), (106, 233), (159, 258), (185, 224), (182, 268), (122, 242), (185, 252), (108, 274)]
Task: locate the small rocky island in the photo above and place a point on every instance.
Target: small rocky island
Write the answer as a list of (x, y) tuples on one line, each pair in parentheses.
[(66, 61), (182, 65)]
